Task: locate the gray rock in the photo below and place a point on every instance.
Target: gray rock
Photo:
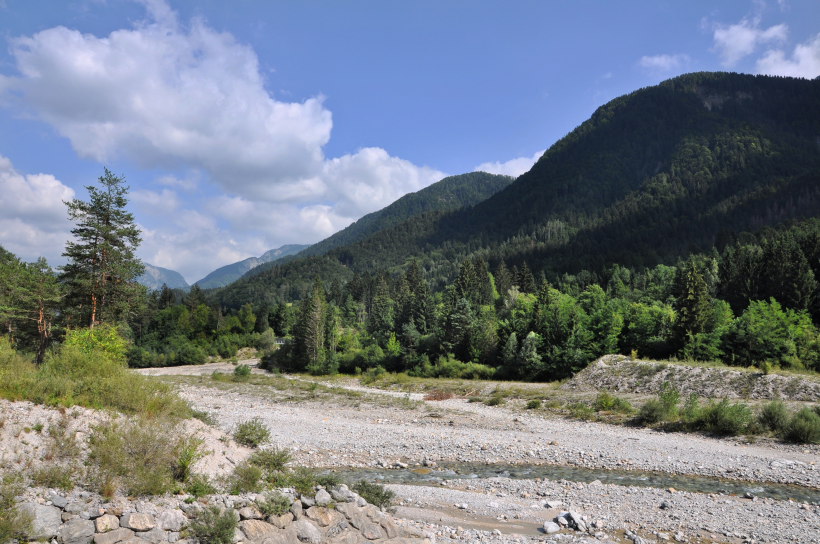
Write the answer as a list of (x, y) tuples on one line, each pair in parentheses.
[(360, 501), (58, 501), (255, 528), (577, 522), (238, 536), (134, 540), (249, 513), (106, 523), (76, 531), (348, 509), (389, 527), (281, 522), (171, 520), (307, 532), (113, 537), (323, 498), (154, 536), (173, 536), (336, 528), (45, 520), (137, 522), (74, 507), (551, 527), (93, 513), (342, 494), (561, 520), (371, 531), (307, 501), (296, 510)]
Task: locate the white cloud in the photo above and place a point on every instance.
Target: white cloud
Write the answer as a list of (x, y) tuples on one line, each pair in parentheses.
[(804, 61), (661, 64), (513, 167), (734, 42), (33, 219), (172, 96)]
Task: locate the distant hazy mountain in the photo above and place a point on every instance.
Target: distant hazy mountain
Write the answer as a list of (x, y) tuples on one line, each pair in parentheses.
[(155, 276), (232, 272)]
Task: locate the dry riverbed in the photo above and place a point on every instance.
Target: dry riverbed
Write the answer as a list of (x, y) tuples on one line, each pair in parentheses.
[(344, 425)]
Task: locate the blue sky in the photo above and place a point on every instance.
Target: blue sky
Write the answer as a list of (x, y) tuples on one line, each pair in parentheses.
[(242, 126)]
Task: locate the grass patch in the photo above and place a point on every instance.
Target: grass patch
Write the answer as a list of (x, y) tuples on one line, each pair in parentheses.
[(581, 411), (375, 494), (605, 402), (271, 460), (242, 372), (251, 433), (495, 400), (246, 478), (54, 476), (534, 404), (274, 504), (214, 525)]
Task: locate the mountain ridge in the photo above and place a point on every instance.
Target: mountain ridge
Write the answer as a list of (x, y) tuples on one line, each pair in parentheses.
[(227, 274)]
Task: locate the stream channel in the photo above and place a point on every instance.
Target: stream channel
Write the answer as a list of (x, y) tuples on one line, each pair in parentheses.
[(692, 483)]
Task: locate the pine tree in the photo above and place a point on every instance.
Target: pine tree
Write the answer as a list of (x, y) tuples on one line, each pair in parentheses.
[(167, 298), (100, 276), (194, 298), (503, 281), (381, 311), (693, 303), (484, 286), (467, 283), (310, 330), (510, 352), (526, 281)]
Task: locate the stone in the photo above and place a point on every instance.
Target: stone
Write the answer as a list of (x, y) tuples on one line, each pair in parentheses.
[(112, 537), (171, 520), (281, 522), (348, 509), (46, 520), (173, 536), (154, 536), (76, 531), (360, 501), (342, 494), (337, 528), (238, 536), (296, 510), (254, 528), (577, 521), (665, 505), (134, 540), (561, 520), (94, 513), (555, 504), (551, 527), (137, 522), (249, 513), (322, 516), (106, 523), (307, 501), (285, 537), (307, 532), (58, 501), (389, 527), (114, 511), (65, 516), (371, 531), (323, 498), (74, 507)]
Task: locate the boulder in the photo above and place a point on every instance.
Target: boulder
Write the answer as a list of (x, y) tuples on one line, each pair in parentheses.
[(249, 513), (106, 523), (348, 509), (137, 522), (296, 510), (281, 522), (45, 520), (255, 528), (323, 498), (337, 527), (171, 520), (74, 507), (322, 516), (371, 531), (389, 527), (342, 494), (76, 531), (307, 532), (112, 537), (154, 536), (551, 527), (58, 501)]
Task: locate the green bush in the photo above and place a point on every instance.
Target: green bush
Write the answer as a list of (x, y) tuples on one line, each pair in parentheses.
[(271, 460), (198, 485), (242, 372), (214, 525), (653, 411), (495, 400), (534, 404), (54, 476), (803, 427), (13, 523), (374, 494), (246, 478), (726, 419), (774, 416), (189, 451), (605, 402), (251, 433), (274, 504), (581, 411)]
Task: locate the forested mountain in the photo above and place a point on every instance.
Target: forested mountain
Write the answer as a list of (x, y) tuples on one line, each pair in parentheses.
[(156, 276), (232, 272), (651, 176), (451, 193)]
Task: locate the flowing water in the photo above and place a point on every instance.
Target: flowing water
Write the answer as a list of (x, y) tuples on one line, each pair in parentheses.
[(693, 483)]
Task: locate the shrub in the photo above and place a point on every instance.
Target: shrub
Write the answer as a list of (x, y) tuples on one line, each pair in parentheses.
[(774, 416), (302, 479), (495, 400), (54, 476), (271, 460), (581, 411), (135, 455), (372, 375), (803, 427), (101, 339), (199, 486), (726, 419), (246, 478), (214, 525), (251, 433), (534, 404), (652, 411), (274, 504), (242, 372), (374, 494), (189, 452), (438, 394), (474, 399), (605, 402), (13, 523)]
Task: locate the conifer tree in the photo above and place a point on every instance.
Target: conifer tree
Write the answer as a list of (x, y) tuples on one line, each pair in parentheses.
[(693, 303), (503, 281), (310, 330), (381, 311), (466, 282), (526, 281)]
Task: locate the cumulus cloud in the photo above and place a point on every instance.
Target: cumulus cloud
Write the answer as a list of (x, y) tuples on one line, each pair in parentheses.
[(661, 64), (804, 61), (513, 167), (186, 97), (33, 219), (734, 42)]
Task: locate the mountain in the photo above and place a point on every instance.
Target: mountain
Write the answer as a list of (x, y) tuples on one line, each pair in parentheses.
[(232, 272), (450, 193), (155, 276), (656, 174)]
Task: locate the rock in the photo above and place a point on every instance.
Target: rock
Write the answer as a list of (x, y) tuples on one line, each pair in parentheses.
[(281, 522), (342, 494), (171, 520), (134, 540), (137, 522), (106, 523), (551, 527), (238, 536), (595, 482), (335, 529), (154, 536), (496, 532), (348, 509), (577, 522), (555, 504), (360, 502), (389, 527), (296, 510), (307, 501), (46, 520), (322, 516), (115, 511), (93, 513), (76, 531), (561, 520), (663, 536), (173, 536), (371, 531), (65, 516), (254, 528), (323, 498), (74, 507), (249, 513), (113, 537), (58, 501), (307, 532)]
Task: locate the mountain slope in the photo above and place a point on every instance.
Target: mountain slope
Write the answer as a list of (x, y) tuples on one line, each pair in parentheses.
[(155, 276), (232, 272), (651, 176)]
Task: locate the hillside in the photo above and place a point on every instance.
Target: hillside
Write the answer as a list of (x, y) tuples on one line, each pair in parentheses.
[(232, 272), (651, 176), (155, 276)]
